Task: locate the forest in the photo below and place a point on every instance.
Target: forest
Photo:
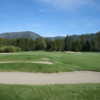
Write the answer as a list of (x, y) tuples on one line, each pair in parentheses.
[(84, 43)]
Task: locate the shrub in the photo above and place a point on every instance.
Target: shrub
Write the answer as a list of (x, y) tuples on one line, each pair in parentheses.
[(7, 49)]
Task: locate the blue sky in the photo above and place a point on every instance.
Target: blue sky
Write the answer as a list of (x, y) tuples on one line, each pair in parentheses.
[(50, 17)]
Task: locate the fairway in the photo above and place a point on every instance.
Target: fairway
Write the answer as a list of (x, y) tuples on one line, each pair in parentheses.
[(48, 62), (50, 92)]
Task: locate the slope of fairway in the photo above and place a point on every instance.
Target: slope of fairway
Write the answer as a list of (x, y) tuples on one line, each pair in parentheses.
[(60, 61), (52, 92)]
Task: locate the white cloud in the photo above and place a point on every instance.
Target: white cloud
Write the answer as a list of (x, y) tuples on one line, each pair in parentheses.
[(67, 3)]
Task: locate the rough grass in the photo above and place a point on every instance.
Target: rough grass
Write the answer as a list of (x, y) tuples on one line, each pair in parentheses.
[(51, 92), (62, 61)]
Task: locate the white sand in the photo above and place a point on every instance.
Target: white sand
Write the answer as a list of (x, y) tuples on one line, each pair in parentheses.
[(36, 62), (49, 78)]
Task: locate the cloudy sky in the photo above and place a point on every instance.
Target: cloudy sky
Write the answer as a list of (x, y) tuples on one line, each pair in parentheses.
[(50, 17)]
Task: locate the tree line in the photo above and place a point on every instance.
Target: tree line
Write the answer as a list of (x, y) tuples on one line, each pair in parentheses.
[(87, 42)]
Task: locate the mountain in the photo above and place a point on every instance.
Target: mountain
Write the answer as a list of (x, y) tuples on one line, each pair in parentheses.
[(16, 35)]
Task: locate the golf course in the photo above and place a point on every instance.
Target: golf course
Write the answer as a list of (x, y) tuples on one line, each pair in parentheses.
[(42, 75), (49, 49), (49, 62)]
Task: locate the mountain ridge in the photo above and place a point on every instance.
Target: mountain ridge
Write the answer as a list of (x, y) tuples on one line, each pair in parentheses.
[(22, 34), (26, 35)]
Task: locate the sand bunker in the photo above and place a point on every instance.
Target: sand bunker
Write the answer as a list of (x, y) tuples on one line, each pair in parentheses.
[(45, 59), (49, 78), (43, 62), (71, 52), (37, 62)]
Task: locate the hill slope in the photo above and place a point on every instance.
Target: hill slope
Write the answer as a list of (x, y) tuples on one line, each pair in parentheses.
[(24, 34)]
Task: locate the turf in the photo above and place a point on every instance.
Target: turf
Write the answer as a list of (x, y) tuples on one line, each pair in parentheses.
[(50, 92), (62, 62)]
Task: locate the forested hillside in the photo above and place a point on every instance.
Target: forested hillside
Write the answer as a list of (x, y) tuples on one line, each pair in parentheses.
[(87, 42)]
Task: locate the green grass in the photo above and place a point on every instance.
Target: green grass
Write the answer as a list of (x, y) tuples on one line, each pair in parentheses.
[(62, 62), (50, 92)]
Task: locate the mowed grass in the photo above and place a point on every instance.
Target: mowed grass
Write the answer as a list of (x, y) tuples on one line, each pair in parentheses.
[(50, 92), (62, 61)]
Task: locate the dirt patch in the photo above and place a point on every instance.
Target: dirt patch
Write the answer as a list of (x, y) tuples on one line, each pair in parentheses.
[(46, 78)]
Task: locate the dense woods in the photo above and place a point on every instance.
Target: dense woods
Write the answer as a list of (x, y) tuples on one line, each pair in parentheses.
[(88, 42)]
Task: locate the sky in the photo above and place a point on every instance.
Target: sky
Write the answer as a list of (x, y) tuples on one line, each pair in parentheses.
[(50, 17)]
